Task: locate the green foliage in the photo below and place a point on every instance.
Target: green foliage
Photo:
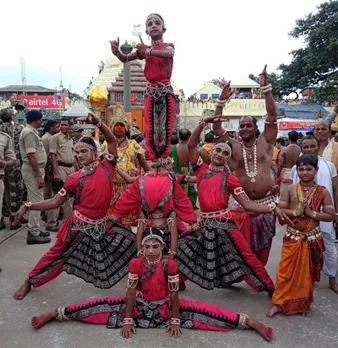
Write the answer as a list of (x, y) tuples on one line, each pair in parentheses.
[(316, 64)]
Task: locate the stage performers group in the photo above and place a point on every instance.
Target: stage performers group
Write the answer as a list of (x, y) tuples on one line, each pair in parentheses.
[(226, 246)]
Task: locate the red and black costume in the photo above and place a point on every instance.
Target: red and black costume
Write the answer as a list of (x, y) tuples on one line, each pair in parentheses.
[(220, 256)]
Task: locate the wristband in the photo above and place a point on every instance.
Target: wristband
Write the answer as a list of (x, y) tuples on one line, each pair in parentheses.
[(128, 321), (28, 205), (175, 321)]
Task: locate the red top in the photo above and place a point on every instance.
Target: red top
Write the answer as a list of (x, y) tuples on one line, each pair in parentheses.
[(155, 287), (156, 69), (156, 189), (92, 192), (211, 195)]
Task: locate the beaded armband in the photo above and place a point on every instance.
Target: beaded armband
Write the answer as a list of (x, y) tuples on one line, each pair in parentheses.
[(110, 157), (132, 280), (128, 321), (266, 89), (173, 282), (175, 321), (62, 192), (172, 252), (272, 206), (238, 191), (28, 205)]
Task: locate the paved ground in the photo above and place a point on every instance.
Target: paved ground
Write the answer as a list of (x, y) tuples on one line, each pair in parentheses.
[(17, 258)]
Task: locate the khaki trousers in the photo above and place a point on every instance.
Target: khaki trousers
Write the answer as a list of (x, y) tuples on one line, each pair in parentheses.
[(64, 172), (52, 215), (34, 195)]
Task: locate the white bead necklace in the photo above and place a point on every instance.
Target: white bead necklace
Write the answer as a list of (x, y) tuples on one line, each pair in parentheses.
[(250, 174)]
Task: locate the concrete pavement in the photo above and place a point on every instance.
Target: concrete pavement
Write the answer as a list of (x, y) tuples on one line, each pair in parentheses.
[(17, 258)]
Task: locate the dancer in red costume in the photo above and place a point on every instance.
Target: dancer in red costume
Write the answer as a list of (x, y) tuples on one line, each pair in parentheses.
[(220, 256), (83, 247), (159, 102), (157, 189), (157, 305)]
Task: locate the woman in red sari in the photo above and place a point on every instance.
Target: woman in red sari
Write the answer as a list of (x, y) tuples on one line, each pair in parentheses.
[(159, 102), (156, 305), (220, 256), (83, 247)]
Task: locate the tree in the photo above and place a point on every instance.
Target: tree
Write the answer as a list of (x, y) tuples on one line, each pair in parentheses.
[(275, 81), (316, 64)]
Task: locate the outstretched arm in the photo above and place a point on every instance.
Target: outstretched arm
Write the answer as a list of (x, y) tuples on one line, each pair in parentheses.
[(107, 133), (124, 58), (220, 132), (270, 126), (195, 138), (330, 118)]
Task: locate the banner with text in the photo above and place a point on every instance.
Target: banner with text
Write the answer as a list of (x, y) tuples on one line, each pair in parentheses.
[(296, 125), (43, 101)]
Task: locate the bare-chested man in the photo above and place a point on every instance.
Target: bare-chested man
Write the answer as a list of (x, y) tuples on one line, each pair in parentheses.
[(287, 158), (251, 162), (180, 155)]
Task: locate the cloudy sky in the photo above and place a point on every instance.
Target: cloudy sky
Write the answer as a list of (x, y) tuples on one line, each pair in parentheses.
[(212, 38)]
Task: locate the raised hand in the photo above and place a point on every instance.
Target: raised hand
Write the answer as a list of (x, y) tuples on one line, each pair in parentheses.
[(263, 77), (212, 118), (90, 119), (141, 47), (115, 46), (226, 92)]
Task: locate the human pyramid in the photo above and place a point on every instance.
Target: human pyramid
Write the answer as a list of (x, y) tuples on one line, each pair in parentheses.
[(215, 252)]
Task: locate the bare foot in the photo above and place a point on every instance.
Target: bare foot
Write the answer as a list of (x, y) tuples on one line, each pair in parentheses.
[(23, 291), (43, 319), (265, 331), (274, 309), (333, 284)]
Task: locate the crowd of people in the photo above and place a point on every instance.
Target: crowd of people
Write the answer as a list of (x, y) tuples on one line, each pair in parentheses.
[(155, 186)]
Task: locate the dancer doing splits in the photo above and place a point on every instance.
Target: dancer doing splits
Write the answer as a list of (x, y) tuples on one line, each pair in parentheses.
[(157, 304), (83, 247), (220, 256)]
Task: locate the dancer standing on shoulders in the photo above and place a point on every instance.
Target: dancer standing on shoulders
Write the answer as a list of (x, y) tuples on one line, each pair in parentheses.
[(157, 305), (251, 161), (302, 253), (220, 256), (159, 102), (83, 247)]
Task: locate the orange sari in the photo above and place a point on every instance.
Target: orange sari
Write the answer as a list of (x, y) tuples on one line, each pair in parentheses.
[(301, 261)]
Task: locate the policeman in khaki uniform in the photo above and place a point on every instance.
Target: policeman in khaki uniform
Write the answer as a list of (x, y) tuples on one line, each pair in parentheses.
[(52, 127), (63, 159), (7, 159), (34, 160)]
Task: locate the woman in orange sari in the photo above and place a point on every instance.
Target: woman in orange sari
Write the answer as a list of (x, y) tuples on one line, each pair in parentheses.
[(302, 253)]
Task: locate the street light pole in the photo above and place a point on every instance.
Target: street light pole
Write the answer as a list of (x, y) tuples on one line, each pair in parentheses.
[(126, 49)]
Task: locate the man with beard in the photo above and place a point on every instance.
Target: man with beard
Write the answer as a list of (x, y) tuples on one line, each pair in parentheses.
[(251, 162)]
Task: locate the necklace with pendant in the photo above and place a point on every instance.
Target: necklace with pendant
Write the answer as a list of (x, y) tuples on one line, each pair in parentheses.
[(249, 173)]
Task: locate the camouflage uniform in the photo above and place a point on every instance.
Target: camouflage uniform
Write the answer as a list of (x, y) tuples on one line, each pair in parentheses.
[(13, 179)]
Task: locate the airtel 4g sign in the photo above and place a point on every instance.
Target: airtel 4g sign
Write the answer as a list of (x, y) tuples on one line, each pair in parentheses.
[(40, 101)]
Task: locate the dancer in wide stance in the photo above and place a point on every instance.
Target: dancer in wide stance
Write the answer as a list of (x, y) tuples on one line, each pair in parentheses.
[(220, 256), (306, 203), (159, 102), (157, 304), (83, 247)]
